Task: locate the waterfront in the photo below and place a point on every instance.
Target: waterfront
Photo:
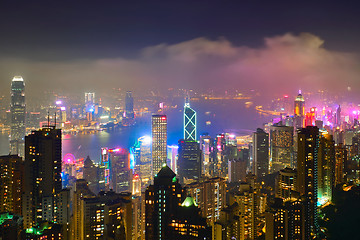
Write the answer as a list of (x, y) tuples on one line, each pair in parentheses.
[(212, 118)]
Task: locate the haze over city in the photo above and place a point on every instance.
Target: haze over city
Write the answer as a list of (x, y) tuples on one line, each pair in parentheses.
[(270, 47)]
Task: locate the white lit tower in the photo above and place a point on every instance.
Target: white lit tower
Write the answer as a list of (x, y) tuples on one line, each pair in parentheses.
[(159, 142), (189, 121), (17, 109), (89, 98)]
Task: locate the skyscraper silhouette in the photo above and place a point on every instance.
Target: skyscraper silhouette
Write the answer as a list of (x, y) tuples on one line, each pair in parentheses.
[(42, 181)]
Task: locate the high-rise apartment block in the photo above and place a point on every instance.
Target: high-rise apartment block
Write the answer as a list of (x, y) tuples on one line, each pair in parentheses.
[(285, 183), (307, 176), (237, 170), (210, 196), (42, 178), (326, 168), (285, 220), (11, 182), (107, 216)]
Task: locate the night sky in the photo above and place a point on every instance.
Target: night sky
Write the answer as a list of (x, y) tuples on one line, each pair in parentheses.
[(80, 45)]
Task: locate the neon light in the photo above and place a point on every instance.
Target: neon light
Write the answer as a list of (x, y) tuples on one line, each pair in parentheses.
[(62, 108), (163, 118), (58, 102), (69, 158)]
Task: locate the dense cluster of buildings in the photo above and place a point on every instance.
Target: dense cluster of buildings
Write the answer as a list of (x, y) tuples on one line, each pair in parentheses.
[(211, 188)]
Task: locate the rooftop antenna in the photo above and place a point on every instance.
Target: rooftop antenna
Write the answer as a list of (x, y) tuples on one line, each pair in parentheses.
[(48, 117)]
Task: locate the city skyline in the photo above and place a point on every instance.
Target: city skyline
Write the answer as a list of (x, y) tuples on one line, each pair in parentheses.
[(179, 120)]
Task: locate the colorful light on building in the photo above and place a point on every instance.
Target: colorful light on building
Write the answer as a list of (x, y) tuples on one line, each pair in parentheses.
[(69, 159)]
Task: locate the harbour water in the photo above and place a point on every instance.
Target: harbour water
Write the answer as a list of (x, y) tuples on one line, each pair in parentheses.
[(213, 117)]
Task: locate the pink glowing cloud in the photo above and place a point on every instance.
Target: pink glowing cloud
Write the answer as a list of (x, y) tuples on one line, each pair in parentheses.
[(284, 63)]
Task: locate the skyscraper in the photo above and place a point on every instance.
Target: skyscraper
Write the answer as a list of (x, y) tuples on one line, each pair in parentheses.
[(120, 172), (285, 183), (299, 111), (17, 109), (326, 168), (89, 98), (210, 196), (169, 214), (11, 182), (307, 175), (162, 199), (106, 216), (129, 105), (159, 142), (261, 153), (237, 170), (145, 160), (189, 121), (42, 181), (189, 161), (285, 220), (281, 147)]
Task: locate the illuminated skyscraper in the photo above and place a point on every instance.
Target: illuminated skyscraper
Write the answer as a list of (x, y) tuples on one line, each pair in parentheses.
[(106, 216), (285, 220), (338, 117), (17, 109), (326, 168), (189, 161), (206, 146), (81, 191), (173, 157), (129, 105), (307, 175), (42, 180), (159, 142), (248, 198), (189, 121), (299, 111), (260, 153), (11, 182), (340, 158), (281, 147), (120, 172), (145, 160), (210, 196), (89, 98), (285, 183)]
